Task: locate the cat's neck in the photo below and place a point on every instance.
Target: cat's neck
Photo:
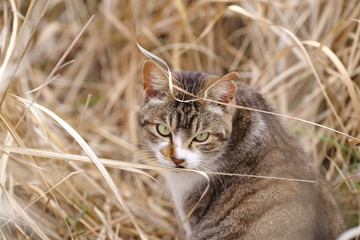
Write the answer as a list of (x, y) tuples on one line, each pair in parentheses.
[(180, 185), (250, 137)]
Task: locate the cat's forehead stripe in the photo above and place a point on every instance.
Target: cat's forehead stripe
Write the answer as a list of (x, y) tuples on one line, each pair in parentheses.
[(186, 117), (191, 81)]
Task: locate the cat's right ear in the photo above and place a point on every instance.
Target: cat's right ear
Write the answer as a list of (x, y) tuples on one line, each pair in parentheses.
[(155, 80)]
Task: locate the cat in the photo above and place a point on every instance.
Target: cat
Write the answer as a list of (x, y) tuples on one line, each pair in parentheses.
[(188, 132)]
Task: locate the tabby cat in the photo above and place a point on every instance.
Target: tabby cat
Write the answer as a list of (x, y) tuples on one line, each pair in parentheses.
[(190, 133)]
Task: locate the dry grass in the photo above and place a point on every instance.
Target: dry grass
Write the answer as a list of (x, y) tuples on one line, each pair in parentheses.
[(56, 58)]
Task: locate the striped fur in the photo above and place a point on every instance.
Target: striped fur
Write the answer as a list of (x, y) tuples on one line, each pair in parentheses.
[(240, 141)]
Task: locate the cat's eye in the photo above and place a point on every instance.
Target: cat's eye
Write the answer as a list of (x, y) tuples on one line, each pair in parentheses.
[(202, 137), (163, 130)]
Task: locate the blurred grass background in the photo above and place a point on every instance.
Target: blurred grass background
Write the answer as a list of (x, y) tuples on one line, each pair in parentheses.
[(79, 59)]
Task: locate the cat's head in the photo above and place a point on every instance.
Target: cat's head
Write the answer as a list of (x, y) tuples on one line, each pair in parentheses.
[(190, 134)]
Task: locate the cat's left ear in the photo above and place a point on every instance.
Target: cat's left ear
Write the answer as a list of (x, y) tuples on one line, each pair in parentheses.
[(222, 89), (155, 80)]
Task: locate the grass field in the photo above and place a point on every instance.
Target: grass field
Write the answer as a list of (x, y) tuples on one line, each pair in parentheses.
[(73, 164)]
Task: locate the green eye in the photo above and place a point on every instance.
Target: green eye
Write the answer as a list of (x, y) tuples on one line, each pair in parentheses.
[(202, 137), (163, 130)]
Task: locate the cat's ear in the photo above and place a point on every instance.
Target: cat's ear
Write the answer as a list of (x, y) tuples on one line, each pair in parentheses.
[(155, 80), (222, 89)]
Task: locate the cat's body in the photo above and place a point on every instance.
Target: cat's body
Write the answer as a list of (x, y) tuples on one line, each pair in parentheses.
[(212, 137)]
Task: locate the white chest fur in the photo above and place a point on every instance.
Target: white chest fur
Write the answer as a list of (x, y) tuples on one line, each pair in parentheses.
[(179, 185)]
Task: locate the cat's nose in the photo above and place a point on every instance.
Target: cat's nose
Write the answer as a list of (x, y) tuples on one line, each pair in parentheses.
[(177, 161)]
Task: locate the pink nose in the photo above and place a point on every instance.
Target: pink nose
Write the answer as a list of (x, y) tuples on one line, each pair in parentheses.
[(177, 161)]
